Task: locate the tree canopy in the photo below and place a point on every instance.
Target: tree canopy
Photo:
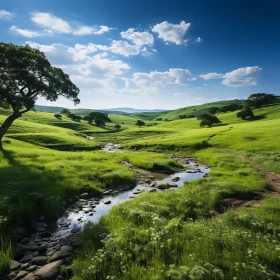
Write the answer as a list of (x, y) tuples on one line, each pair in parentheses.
[(99, 118), (208, 120), (140, 123), (245, 113), (25, 75), (258, 100)]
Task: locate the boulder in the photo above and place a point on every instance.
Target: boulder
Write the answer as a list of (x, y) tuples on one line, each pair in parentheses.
[(66, 248), (30, 276), (107, 202), (14, 265), (84, 195), (21, 274), (60, 255), (40, 260), (49, 271), (175, 179)]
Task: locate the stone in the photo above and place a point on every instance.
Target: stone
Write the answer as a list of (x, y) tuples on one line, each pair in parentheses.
[(75, 230), (153, 190), (14, 265), (20, 251), (27, 257), (45, 234), (175, 179), (63, 242), (153, 185), (30, 276), (31, 268), (66, 248), (21, 274), (84, 195), (43, 248), (60, 255), (25, 266), (107, 202), (49, 271), (40, 260)]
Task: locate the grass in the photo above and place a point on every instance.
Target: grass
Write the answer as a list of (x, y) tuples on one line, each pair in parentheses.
[(157, 235), (164, 235)]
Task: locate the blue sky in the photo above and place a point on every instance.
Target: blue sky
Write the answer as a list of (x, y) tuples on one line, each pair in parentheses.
[(151, 53)]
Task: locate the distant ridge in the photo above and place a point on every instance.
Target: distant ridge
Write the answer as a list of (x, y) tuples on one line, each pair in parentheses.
[(53, 109)]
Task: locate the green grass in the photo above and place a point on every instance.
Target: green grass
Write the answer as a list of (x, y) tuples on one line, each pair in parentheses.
[(164, 236)]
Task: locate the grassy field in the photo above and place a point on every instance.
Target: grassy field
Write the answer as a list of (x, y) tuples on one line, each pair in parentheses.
[(158, 235)]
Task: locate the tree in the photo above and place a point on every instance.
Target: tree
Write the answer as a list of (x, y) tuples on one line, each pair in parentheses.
[(25, 75), (214, 110), (208, 120), (231, 108), (99, 118), (65, 111), (258, 100), (58, 116), (245, 113), (118, 126), (140, 123)]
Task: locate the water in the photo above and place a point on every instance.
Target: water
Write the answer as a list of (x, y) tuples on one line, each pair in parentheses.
[(75, 217)]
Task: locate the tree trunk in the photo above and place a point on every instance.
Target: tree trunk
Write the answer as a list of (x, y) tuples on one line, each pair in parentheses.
[(7, 123)]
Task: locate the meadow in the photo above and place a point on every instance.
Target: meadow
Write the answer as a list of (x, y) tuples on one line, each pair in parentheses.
[(187, 234)]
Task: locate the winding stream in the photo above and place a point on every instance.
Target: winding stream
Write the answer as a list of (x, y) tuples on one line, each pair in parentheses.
[(91, 209)]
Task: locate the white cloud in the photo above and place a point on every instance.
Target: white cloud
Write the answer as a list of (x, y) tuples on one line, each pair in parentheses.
[(138, 38), (88, 30), (241, 77), (24, 32), (211, 76), (6, 15), (123, 48), (51, 22), (172, 76), (199, 40), (177, 93), (58, 25), (173, 33), (76, 61)]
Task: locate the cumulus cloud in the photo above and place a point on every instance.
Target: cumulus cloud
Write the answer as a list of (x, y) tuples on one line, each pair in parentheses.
[(76, 61), (123, 48), (51, 22), (88, 30), (173, 33), (5, 15), (241, 77), (211, 76), (199, 40), (172, 76), (24, 32), (58, 25), (138, 38)]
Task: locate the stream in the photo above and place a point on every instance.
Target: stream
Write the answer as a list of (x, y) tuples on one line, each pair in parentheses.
[(91, 209)]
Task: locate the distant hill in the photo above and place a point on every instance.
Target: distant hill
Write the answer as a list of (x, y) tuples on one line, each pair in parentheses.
[(48, 109), (133, 110), (197, 109)]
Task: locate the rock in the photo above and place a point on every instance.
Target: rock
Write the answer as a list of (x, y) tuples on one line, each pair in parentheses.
[(63, 242), (84, 195), (30, 276), (12, 275), (153, 185), (75, 229), (21, 274), (14, 265), (41, 260), (76, 243), (31, 268), (66, 248), (20, 251), (106, 192), (107, 202), (175, 179), (49, 271), (27, 257), (40, 229), (25, 266), (60, 255), (153, 190), (43, 248), (45, 234)]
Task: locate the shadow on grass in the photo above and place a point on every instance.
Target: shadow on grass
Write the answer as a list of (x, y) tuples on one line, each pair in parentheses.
[(29, 191), (256, 118)]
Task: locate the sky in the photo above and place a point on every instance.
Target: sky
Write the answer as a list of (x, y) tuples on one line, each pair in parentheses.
[(152, 53)]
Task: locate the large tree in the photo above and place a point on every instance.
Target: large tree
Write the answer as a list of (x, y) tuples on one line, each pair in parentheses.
[(208, 120), (25, 75), (99, 118), (258, 100)]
